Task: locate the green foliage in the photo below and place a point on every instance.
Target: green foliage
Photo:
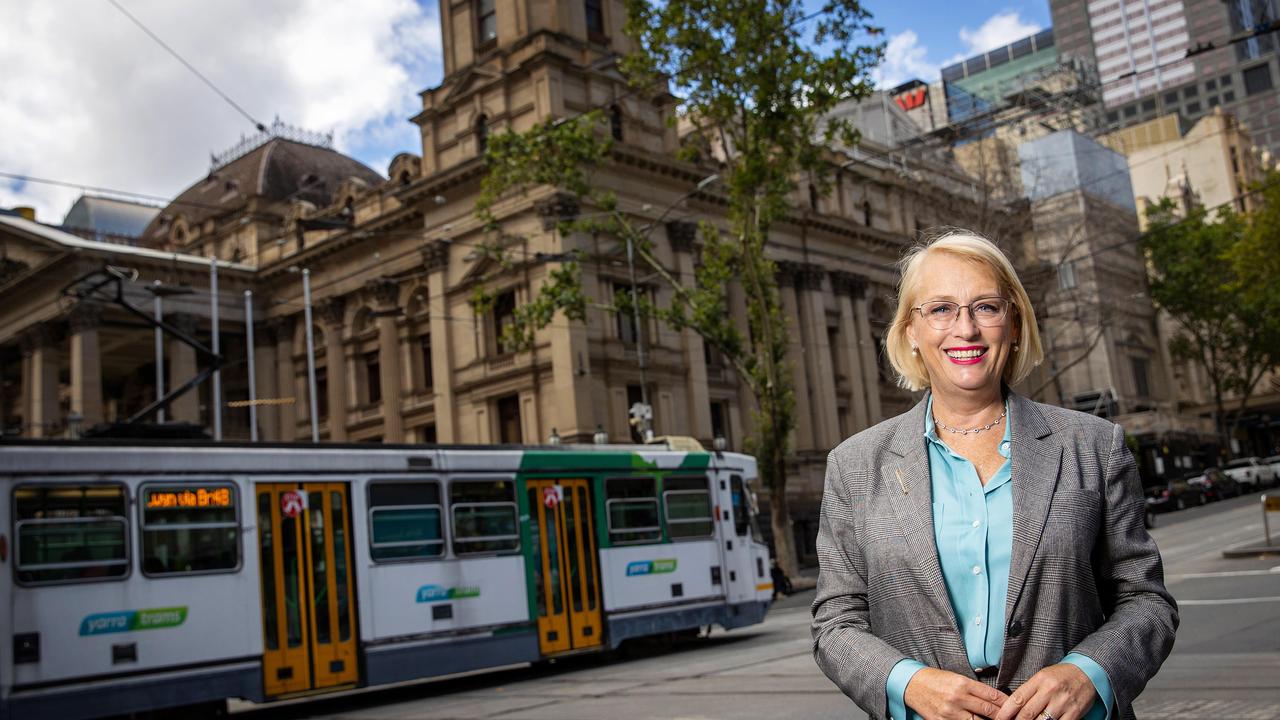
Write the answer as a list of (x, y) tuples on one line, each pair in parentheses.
[(1212, 275)]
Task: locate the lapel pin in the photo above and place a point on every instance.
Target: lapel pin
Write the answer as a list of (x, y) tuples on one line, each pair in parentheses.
[(898, 472)]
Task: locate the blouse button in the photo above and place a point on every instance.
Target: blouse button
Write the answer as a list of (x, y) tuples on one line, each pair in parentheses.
[(977, 570)]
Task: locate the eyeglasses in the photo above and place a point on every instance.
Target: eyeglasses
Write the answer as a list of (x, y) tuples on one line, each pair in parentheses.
[(941, 314)]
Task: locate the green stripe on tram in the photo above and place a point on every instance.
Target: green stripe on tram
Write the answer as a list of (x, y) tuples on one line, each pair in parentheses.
[(571, 460)]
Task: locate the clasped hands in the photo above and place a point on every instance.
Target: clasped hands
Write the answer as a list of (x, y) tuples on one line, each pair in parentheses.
[(1058, 692)]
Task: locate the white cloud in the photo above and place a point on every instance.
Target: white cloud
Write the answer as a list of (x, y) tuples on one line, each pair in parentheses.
[(999, 30), (89, 98), (904, 59)]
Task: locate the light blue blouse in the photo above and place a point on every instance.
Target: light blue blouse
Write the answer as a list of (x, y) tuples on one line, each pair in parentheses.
[(973, 528)]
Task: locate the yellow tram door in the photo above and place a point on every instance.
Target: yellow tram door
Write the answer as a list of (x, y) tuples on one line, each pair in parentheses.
[(566, 574), (308, 612)]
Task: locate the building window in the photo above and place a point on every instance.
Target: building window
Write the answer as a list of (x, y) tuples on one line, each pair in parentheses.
[(1171, 98), (67, 533), (688, 507), (1190, 91), (428, 434), (1257, 79), (1131, 111), (508, 409), (627, 323), (486, 21), (1213, 101), (1148, 105), (372, 378), (631, 505), (1067, 275), (615, 122), (482, 134), (720, 419), (322, 393), (484, 517), (189, 529), (1193, 108), (1141, 378), (405, 521), (1211, 84), (424, 347), (1224, 81), (866, 213), (1228, 96), (504, 316), (595, 17)]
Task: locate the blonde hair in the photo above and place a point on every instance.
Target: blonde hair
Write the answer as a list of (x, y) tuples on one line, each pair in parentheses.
[(968, 245)]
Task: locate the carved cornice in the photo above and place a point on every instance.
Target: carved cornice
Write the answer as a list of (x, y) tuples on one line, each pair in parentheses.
[(847, 283), (85, 316), (561, 207), (435, 255), (35, 337), (385, 292), (682, 235), (330, 310)]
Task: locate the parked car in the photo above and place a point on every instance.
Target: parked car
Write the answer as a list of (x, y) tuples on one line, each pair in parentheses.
[(1273, 462), (1177, 494), (1216, 484), (1251, 472)]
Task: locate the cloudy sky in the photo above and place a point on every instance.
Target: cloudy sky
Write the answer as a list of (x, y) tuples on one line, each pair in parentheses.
[(89, 99)]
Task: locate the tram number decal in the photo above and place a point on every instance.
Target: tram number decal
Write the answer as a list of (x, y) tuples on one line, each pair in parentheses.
[(436, 593), (132, 620), (651, 567)]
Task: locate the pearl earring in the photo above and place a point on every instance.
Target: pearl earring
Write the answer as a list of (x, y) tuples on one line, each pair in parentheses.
[(1015, 347), (915, 352)]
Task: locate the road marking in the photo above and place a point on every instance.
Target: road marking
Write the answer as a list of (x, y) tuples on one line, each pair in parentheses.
[(1225, 573), (1230, 601)]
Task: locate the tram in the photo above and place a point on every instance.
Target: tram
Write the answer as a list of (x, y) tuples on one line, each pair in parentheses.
[(150, 576)]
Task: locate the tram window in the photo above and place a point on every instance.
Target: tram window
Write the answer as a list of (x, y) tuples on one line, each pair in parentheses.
[(189, 529), (404, 520), (70, 533), (632, 507), (741, 513), (484, 517), (688, 505)]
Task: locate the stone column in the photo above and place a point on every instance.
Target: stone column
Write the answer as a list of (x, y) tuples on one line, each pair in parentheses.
[(330, 314), (41, 382), (86, 364), (802, 437), (682, 235), (386, 296), (182, 367), (848, 286), (435, 261), (822, 379), (264, 369), (870, 351), (286, 386)]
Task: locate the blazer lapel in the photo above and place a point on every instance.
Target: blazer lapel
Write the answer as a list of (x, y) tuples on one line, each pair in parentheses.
[(909, 485), (1034, 476)]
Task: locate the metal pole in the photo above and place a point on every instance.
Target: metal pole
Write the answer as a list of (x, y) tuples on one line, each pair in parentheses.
[(311, 356), (158, 311), (253, 390), (646, 432), (215, 400), (1266, 526)]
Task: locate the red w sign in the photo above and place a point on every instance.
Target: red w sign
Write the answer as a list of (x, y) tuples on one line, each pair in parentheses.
[(912, 99)]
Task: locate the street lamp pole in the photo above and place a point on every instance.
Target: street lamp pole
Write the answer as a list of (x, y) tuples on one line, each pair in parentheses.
[(311, 356), (645, 414), (215, 402), (158, 311), (253, 389)]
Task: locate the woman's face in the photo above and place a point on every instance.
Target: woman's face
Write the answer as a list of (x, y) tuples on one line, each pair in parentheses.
[(967, 357)]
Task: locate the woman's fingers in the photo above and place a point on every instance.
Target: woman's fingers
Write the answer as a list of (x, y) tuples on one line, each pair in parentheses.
[(934, 693)]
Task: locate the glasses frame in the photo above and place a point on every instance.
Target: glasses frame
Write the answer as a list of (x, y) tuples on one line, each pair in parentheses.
[(1008, 307)]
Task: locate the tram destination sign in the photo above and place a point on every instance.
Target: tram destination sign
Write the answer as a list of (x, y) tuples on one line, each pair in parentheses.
[(189, 498)]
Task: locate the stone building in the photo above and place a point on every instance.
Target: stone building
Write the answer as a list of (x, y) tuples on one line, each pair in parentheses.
[(401, 354)]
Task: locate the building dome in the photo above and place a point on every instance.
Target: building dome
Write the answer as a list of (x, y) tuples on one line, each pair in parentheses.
[(276, 172)]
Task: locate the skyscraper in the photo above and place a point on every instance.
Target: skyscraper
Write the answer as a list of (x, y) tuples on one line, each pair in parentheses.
[(1155, 57)]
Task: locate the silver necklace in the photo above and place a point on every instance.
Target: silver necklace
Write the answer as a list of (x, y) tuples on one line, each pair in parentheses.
[(966, 431)]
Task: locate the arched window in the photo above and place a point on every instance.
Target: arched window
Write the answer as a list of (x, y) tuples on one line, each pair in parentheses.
[(615, 122), (482, 134)]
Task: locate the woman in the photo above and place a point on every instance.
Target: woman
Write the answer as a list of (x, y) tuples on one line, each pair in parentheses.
[(984, 555)]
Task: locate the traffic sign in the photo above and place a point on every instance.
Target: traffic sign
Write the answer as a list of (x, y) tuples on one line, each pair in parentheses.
[(551, 496), (293, 502), (1271, 503)]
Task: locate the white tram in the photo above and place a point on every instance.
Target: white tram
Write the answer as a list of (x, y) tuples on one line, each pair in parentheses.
[(150, 576)]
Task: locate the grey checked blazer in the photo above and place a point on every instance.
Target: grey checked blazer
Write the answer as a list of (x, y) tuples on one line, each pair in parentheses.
[(1084, 574)]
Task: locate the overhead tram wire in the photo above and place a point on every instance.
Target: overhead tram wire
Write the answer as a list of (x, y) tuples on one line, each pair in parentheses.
[(257, 125)]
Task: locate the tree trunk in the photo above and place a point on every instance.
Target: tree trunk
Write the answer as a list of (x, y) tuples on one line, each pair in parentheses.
[(780, 516)]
